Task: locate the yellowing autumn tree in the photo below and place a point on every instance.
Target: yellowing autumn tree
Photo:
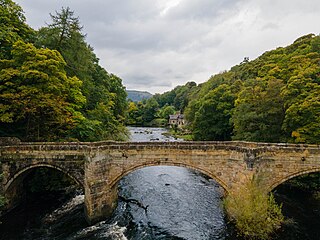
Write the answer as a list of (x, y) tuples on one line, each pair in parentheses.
[(38, 100)]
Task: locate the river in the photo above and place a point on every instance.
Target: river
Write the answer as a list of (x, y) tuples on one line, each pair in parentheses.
[(165, 203)]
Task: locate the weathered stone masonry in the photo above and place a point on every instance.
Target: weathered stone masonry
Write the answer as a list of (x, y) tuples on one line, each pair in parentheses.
[(99, 166)]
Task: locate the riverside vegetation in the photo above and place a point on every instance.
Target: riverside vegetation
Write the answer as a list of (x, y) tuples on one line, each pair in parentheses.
[(52, 88), (274, 98), (256, 214)]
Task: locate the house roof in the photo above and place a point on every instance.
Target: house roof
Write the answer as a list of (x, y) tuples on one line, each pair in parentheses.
[(176, 116)]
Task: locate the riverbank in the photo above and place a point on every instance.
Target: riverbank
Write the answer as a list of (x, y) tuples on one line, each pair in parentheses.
[(186, 136), (156, 203)]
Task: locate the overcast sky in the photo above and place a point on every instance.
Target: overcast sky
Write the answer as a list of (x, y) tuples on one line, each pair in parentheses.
[(155, 45)]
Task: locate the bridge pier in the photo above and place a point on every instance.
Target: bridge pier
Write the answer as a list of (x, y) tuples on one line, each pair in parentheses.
[(100, 166), (100, 205), (101, 198)]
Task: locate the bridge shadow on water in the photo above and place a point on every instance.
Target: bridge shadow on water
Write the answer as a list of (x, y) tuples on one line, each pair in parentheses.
[(154, 203), (300, 199), (41, 190)]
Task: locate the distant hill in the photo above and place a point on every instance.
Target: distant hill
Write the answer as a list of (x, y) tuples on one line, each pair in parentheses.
[(137, 96)]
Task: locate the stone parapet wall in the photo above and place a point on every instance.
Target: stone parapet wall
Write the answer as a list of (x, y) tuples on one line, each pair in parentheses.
[(99, 166)]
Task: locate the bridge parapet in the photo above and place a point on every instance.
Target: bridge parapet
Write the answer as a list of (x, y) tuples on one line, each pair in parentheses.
[(98, 166), (4, 141)]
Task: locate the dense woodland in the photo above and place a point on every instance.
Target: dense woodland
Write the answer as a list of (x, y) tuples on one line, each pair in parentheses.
[(52, 87), (274, 98)]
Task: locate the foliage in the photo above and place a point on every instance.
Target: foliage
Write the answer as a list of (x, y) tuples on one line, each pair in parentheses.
[(37, 96), (178, 97), (308, 182), (165, 111), (259, 112), (158, 122), (156, 110), (273, 98), (212, 120), (150, 110), (64, 34), (55, 89), (148, 113), (255, 214), (13, 27), (134, 113), (105, 94)]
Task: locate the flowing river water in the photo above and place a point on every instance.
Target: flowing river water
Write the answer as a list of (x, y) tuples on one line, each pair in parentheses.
[(154, 203)]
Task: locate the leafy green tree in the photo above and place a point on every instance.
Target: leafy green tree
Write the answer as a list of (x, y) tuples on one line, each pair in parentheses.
[(301, 95), (276, 96), (303, 119), (119, 94), (64, 34), (165, 111), (259, 113), (212, 120), (132, 114), (101, 125), (199, 94), (104, 92), (178, 97), (150, 110), (13, 27), (38, 100)]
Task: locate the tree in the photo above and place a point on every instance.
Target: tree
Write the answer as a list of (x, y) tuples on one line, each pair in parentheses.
[(104, 92), (38, 100), (150, 110), (259, 113), (13, 27), (301, 95), (64, 34), (165, 111), (276, 96), (303, 119), (212, 120)]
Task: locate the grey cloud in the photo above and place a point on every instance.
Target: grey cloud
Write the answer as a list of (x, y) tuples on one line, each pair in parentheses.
[(203, 9), (157, 44), (269, 26)]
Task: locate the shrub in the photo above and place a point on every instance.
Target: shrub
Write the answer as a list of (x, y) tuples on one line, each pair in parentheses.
[(256, 214)]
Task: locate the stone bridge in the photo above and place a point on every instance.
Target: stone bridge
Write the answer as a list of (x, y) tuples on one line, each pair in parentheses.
[(99, 166)]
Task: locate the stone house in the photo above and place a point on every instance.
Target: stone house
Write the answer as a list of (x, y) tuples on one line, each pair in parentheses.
[(177, 119)]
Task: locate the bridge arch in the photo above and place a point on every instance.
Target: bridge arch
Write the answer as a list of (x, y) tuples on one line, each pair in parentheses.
[(293, 175), (141, 166), (13, 188), (40, 165)]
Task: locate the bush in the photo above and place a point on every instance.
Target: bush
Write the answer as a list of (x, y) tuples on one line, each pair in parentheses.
[(255, 213), (158, 122), (2, 201)]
